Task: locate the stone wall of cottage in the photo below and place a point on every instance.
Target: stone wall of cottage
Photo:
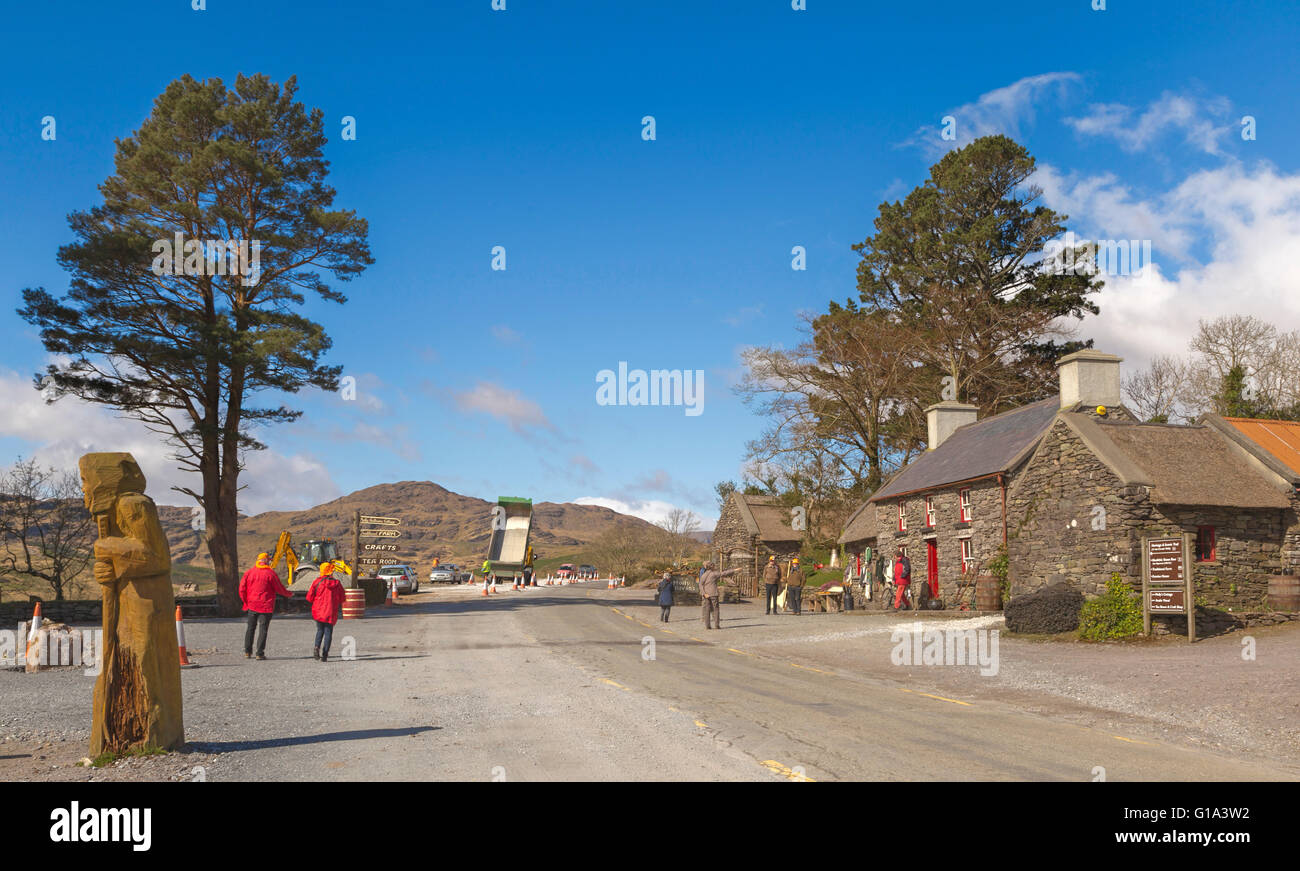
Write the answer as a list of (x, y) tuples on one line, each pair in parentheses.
[(1054, 518), (1057, 533), (984, 530), (734, 546)]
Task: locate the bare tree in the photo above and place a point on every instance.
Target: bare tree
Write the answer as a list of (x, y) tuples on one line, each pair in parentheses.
[(841, 397), (1268, 359), (44, 526), (1155, 394), (626, 550), (677, 540)]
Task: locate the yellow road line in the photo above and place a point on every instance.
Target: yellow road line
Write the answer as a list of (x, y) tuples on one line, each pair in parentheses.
[(615, 683), (809, 668), (1130, 740), (702, 724), (741, 652), (940, 698), (701, 640), (670, 632), (784, 771)]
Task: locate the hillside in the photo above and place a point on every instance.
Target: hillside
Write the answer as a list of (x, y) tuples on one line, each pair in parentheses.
[(435, 523)]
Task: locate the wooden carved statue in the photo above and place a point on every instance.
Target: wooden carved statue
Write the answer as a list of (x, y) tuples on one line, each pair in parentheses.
[(138, 692)]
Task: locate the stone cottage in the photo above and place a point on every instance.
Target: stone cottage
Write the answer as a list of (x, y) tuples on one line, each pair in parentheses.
[(1097, 483), (750, 529), (947, 508)]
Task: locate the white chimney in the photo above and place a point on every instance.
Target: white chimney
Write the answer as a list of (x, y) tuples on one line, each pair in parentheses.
[(943, 418), (1090, 377)]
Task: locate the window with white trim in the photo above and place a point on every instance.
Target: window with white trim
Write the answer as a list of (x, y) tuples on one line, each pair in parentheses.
[(902, 516), (964, 496), (929, 512), (967, 556)]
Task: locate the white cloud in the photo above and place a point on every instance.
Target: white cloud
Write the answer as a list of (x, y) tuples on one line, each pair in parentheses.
[(1202, 122), (505, 335), (58, 434), (1246, 223), (503, 404), (653, 510), (1003, 110)]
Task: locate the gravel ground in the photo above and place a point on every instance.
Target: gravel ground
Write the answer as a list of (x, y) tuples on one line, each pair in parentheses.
[(474, 695), (1205, 693), (422, 700)]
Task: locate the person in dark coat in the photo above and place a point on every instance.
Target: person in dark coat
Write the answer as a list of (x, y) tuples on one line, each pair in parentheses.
[(665, 596)]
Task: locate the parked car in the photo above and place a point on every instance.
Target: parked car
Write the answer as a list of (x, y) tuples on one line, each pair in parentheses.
[(566, 571), (443, 575), (405, 575), (585, 571), (463, 576)]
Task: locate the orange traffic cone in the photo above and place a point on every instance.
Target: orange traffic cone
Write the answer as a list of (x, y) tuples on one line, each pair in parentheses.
[(180, 637), (388, 601), (485, 585), (34, 642)]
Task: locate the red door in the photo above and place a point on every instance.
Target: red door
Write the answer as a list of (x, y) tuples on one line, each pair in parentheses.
[(932, 566)]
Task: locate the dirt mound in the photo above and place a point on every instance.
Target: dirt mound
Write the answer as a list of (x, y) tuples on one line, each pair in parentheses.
[(1049, 610)]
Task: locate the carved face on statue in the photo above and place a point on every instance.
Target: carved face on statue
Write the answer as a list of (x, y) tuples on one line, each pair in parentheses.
[(105, 477)]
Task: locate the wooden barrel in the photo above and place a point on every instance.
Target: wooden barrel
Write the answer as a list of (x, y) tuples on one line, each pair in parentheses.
[(988, 593), (1284, 592), (354, 603)]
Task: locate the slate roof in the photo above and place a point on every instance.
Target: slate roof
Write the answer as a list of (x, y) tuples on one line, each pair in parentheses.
[(996, 444), (861, 526)]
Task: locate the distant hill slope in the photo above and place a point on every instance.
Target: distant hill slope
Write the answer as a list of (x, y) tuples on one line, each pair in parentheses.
[(435, 522)]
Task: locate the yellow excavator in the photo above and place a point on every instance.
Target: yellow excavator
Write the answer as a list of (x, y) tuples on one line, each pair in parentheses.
[(314, 553)]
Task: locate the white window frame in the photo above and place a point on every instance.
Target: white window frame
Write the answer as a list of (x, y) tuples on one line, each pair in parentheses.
[(963, 496), (902, 515), (929, 512), (967, 554)]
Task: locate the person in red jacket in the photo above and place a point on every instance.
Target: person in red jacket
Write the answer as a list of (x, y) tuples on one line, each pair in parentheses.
[(326, 597), (257, 591)]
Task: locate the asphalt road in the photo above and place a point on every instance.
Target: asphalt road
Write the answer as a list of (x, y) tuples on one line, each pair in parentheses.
[(583, 683)]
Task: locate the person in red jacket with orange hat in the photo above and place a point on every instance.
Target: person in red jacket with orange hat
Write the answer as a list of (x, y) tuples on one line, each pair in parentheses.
[(257, 591), (326, 597)]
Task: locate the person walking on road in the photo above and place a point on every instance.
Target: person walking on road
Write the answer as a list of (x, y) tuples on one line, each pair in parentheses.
[(771, 583), (326, 597), (902, 578), (794, 587), (710, 598), (257, 591), (665, 596)]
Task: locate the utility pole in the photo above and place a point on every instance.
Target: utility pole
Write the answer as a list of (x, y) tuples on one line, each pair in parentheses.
[(356, 549)]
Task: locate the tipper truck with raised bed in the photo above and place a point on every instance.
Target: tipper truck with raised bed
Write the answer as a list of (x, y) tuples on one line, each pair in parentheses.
[(508, 551)]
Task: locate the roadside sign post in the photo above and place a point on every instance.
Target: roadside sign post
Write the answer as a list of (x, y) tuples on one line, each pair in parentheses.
[(1167, 585), (356, 551), (376, 550)]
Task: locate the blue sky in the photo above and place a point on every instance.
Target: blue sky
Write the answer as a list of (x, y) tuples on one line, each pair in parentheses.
[(522, 128)]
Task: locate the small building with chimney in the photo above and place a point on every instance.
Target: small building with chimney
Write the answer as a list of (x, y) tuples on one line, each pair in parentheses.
[(1098, 482), (948, 509), (749, 530)]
